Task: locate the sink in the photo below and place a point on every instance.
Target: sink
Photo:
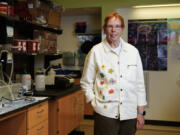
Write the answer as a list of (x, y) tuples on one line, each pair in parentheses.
[(8, 105), (11, 99)]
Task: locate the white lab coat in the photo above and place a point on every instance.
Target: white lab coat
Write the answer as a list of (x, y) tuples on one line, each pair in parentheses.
[(114, 83)]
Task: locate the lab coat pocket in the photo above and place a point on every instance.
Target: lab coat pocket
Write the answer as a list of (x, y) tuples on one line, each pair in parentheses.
[(93, 102), (131, 71)]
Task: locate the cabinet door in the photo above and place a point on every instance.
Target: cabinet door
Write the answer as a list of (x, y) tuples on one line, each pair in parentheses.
[(71, 112), (66, 115), (53, 117), (79, 107), (15, 125)]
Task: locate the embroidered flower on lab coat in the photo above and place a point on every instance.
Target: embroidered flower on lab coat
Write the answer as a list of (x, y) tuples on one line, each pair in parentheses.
[(112, 81), (106, 87), (102, 75), (102, 82), (110, 71), (103, 66), (103, 97), (105, 106), (111, 91)]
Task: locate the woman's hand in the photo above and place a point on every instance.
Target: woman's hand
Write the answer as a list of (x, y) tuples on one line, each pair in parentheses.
[(140, 122)]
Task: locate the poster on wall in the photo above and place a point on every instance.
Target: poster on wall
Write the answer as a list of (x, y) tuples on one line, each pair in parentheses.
[(174, 38), (150, 38)]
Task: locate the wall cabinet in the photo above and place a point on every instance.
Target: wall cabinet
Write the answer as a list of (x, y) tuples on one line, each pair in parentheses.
[(21, 30), (26, 25), (66, 113)]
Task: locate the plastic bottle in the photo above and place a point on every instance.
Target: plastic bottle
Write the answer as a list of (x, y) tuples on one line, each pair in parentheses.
[(40, 81)]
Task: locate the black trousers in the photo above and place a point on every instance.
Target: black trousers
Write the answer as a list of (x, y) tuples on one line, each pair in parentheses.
[(108, 126)]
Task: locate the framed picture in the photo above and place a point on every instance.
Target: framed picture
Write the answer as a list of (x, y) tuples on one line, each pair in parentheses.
[(150, 38)]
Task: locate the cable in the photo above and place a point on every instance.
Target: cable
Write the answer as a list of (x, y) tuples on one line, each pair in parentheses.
[(12, 68), (5, 74), (1, 72)]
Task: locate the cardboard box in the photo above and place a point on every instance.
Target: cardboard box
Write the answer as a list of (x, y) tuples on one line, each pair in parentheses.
[(54, 19), (48, 41), (39, 11), (44, 46), (44, 35)]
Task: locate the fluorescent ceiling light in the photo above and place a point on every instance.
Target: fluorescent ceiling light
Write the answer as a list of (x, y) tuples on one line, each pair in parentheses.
[(162, 5)]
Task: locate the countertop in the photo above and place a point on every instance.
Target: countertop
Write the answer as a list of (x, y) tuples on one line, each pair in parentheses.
[(10, 107), (57, 93), (38, 97)]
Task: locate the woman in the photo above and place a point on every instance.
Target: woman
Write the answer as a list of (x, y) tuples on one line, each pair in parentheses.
[(113, 82)]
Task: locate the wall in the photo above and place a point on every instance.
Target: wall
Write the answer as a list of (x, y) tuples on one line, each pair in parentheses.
[(109, 5), (68, 41), (163, 93)]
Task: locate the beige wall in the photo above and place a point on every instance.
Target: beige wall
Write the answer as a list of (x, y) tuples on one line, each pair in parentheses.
[(163, 93), (68, 41), (109, 5)]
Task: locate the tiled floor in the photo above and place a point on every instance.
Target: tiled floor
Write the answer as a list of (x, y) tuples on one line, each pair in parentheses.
[(88, 127)]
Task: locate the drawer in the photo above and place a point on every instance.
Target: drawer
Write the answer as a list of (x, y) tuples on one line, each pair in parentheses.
[(37, 114), (40, 129)]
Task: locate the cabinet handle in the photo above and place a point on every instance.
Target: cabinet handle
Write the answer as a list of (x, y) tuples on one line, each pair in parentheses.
[(38, 129), (42, 110)]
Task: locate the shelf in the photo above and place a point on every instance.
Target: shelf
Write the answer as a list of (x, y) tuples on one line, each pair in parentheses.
[(45, 54), (30, 24), (74, 68), (88, 34)]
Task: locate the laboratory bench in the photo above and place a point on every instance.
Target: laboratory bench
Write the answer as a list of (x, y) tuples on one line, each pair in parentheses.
[(49, 112)]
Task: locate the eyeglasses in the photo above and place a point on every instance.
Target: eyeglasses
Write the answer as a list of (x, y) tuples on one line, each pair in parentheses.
[(110, 27)]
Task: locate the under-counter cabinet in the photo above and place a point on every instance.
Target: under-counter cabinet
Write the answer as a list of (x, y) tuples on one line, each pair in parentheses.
[(66, 113), (13, 124), (37, 119)]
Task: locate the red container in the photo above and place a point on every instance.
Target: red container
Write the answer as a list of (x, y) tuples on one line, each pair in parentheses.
[(24, 46), (21, 46), (10, 10), (80, 27), (4, 8), (37, 46), (31, 46)]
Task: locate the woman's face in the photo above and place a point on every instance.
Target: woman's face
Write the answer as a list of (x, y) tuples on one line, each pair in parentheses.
[(113, 30)]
